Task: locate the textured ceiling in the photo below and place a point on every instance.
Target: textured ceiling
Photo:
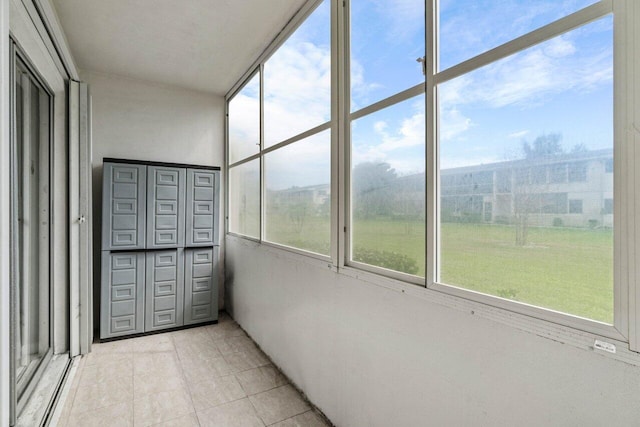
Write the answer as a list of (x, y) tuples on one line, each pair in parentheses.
[(203, 45)]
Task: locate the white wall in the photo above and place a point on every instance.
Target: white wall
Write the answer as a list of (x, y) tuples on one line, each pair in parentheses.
[(133, 119), (369, 355)]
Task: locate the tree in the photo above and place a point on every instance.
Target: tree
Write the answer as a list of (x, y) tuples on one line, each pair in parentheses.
[(543, 146), (579, 148), (525, 200), (372, 189)]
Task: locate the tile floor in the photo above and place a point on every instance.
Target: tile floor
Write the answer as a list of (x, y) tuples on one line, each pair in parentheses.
[(211, 375)]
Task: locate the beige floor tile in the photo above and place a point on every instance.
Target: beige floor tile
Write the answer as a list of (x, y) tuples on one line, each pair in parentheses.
[(119, 415), (97, 395), (261, 379), (278, 404), (224, 330), (159, 407), (106, 369), (196, 369), (155, 363), (98, 358), (308, 419), (215, 391), (153, 383), (204, 349), (119, 346), (189, 335), (190, 420), (248, 359), (234, 344), (239, 413), (153, 343)]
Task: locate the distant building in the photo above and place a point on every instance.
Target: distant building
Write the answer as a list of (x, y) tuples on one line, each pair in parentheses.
[(573, 190), (316, 195)]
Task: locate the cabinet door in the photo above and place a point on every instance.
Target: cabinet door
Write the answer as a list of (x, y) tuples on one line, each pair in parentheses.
[(165, 207), (122, 299), (164, 289), (201, 290), (123, 206), (202, 215)]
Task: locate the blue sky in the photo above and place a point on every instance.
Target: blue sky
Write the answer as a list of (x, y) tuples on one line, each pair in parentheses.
[(561, 86)]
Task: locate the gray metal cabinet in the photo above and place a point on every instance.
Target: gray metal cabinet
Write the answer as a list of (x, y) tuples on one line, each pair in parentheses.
[(123, 206), (165, 207), (164, 289), (200, 286), (202, 207), (123, 275)]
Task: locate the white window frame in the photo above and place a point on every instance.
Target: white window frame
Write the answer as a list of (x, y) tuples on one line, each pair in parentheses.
[(625, 331), (618, 330), (258, 67)]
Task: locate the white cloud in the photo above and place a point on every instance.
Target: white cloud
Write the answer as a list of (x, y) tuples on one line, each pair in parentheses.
[(394, 142), (403, 17), (559, 47), (519, 134), (410, 133), (297, 85), (527, 78), (453, 123)]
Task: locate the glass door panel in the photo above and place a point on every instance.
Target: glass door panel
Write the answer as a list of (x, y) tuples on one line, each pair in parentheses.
[(30, 231)]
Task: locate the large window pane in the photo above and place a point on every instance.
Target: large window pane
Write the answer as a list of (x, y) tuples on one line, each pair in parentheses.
[(387, 36), (298, 196), (297, 80), (244, 199), (244, 122), (525, 145), (30, 232), (471, 27), (388, 188)]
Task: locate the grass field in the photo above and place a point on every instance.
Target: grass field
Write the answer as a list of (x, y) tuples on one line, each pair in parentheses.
[(563, 269)]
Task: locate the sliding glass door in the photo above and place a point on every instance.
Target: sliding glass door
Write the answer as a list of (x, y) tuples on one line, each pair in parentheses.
[(30, 230)]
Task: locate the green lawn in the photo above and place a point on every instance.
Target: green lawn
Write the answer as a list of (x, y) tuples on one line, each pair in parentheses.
[(568, 270)]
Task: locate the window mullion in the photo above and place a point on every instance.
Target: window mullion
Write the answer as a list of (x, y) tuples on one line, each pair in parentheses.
[(627, 203), (431, 132), (262, 174), (343, 133)]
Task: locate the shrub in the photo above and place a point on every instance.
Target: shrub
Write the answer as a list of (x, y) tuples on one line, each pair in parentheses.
[(386, 259), (557, 222)]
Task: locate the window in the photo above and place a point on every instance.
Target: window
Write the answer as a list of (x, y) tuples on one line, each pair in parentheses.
[(558, 174), (280, 182), (244, 169), (577, 172), (575, 206), (387, 171), (498, 188), (513, 109), (244, 121), (244, 199), (298, 200)]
